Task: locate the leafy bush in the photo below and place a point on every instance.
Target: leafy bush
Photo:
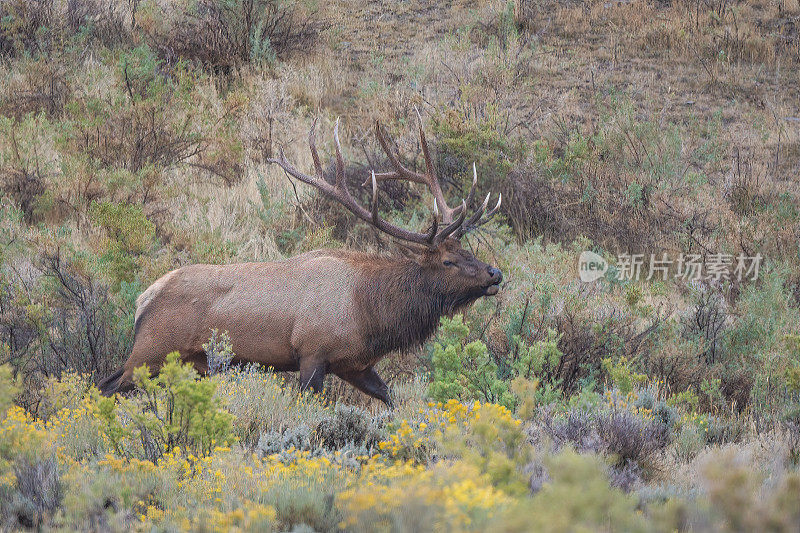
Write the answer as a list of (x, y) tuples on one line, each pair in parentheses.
[(174, 410), (535, 368), (462, 139), (754, 346), (464, 370), (621, 374), (128, 236)]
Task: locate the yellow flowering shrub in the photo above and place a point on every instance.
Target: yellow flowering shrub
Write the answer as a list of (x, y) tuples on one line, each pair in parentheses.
[(407, 497), (486, 435), (451, 466), (20, 435)]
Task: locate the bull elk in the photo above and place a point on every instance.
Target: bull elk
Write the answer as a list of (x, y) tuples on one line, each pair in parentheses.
[(325, 311)]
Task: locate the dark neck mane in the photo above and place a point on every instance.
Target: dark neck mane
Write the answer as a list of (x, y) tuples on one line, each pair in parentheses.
[(401, 304)]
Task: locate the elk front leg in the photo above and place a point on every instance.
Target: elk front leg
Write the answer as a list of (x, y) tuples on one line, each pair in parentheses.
[(312, 374), (370, 382)]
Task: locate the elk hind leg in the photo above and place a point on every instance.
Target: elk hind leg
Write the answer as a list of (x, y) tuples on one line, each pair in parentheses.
[(114, 383), (144, 352), (369, 382)]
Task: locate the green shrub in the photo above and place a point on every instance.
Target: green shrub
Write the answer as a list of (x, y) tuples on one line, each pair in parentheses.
[(175, 409), (463, 370), (129, 235), (579, 498), (462, 140), (622, 374), (686, 399), (688, 443), (755, 346), (539, 359)]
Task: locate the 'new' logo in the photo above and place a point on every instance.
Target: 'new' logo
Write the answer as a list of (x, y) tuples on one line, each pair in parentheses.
[(591, 266)]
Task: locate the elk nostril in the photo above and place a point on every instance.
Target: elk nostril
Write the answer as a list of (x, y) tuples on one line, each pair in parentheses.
[(495, 273)]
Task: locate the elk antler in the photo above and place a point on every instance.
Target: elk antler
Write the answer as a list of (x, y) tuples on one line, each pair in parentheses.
[(338, 191), (459, 226)]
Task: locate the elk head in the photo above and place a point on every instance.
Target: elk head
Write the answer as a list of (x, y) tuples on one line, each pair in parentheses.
[(438, 250), (459, 272)]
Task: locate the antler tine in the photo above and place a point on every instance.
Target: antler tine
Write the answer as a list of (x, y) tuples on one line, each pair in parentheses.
[(435, 225), (375, 216), (340, 184), (474, 184), (477, 219), (400, 172), (429, 237), (476, 216), (312, 133), (492, 212), (429, 178), (453, 226), (305, 178), (419, 116), (425, 151)]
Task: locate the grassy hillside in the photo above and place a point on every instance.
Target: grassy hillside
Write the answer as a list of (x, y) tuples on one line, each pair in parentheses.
[(134, 136)]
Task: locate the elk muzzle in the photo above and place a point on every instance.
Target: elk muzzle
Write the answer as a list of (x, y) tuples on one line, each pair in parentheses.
[(495, 278)]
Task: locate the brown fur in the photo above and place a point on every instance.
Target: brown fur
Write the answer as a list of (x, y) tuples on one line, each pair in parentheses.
[(323, 311)]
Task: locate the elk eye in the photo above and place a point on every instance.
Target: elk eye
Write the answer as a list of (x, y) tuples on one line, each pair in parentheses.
[(448, 263)]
